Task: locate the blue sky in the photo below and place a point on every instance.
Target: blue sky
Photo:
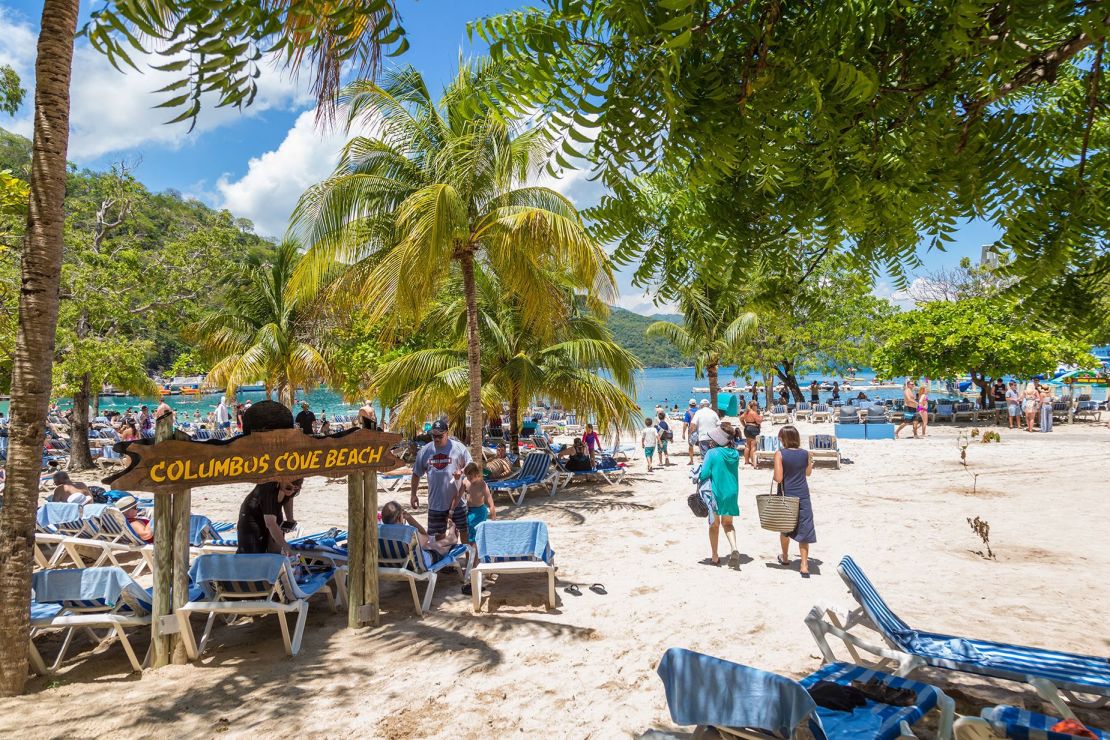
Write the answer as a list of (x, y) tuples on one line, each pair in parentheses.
[(257, 163)]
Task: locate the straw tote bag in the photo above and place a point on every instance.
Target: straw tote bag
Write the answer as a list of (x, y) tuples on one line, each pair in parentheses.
[(777, 512)]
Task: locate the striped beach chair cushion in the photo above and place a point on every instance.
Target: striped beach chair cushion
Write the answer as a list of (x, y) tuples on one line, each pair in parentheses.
[(893, 628), (1021, 724), (822, 442), (513, 541), (885, 718)]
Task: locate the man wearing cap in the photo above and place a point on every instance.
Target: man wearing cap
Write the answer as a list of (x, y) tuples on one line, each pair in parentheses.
[(305, 419), (129, 505), (687, 430), (704, 420), (441, 459)]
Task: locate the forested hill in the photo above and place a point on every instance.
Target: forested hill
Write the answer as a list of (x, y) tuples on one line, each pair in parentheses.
[(628, 330)]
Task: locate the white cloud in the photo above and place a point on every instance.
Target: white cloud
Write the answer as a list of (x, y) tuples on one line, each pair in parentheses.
[(900, 298), (113, 112), (268, 191), (643, 304)]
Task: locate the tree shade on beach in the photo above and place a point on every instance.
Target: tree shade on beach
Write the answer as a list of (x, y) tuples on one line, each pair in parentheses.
[(440, 188)]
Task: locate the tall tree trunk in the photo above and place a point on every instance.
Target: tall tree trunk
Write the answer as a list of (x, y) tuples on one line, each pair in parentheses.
[(95, 399), (714, 387), (790, 380), (514, 421), (473, 355), (80, 457), (33, 359), (768, 387)]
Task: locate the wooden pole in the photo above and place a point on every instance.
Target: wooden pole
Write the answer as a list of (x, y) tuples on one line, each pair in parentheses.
[(182, 510), (162, 601), (356, 539), (370, 571)]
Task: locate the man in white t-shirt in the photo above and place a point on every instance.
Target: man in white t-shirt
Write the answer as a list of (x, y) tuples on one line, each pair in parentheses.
[(649, 437), (222, 417), (704, 419)]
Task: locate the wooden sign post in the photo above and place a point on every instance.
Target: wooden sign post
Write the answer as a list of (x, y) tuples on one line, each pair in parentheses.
[(174, 465)]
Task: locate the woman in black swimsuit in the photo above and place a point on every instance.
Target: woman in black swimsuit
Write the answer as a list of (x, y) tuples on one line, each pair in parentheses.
[(753, 422)]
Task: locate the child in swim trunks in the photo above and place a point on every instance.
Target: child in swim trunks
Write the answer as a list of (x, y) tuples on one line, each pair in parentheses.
[(479, 500)]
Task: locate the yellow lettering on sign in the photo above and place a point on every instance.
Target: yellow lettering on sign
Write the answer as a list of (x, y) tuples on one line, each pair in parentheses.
[(158, 472), (314, 459), (375, 456)]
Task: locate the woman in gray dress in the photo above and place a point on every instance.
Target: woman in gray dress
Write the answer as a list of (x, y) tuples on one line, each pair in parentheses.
[(792, 466)]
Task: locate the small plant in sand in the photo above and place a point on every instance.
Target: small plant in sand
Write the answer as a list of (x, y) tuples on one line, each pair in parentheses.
[(989, 437), (983, 531), (975, 432), (962, 442)]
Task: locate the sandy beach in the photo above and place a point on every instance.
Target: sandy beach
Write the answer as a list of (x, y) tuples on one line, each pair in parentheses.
[(586, 668)]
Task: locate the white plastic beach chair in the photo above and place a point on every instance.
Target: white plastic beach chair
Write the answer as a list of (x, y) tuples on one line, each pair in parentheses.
[(824, 447), (780, 414), (54, 522), (1050, 672), (803, 411), (251, 585), (108, 535), (765, 448), (400, 558), (820, 412), (86, 599), (512, 547)]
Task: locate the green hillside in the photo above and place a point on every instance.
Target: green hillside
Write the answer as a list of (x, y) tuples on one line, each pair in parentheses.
[(628, 329)]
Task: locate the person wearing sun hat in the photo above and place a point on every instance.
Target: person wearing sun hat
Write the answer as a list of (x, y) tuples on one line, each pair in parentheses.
[(129, 505), (721, 467)]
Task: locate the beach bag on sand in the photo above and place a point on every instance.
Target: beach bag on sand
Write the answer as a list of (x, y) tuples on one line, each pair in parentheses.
[(777, 512)]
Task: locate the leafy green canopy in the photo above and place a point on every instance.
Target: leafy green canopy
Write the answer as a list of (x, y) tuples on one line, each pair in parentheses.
[(976, 335), (217, 46), (864, 123), (11, 92)]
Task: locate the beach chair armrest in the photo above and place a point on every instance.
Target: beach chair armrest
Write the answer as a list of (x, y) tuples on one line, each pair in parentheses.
[(821, 627)]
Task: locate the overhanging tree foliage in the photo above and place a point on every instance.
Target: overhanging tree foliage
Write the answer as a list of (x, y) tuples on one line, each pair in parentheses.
[(979, 336)]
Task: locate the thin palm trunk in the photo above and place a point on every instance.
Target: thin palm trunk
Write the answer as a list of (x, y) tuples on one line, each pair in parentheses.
[(514, 421), (473, 355), (38, 319), (714, 386)]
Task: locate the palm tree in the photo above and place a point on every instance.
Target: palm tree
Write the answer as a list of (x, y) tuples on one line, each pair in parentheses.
[(441, 190), (575, 363), (712, 330), (261, 335), (329, 35)]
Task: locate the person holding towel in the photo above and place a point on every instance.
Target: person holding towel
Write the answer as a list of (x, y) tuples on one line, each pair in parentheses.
[(792, 466), (721, 467)]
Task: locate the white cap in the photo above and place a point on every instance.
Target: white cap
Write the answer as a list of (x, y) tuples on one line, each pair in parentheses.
[(693, 402), (705, 402)]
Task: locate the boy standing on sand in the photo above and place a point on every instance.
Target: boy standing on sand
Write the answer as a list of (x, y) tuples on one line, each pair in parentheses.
[(479, 500), (649, 436)]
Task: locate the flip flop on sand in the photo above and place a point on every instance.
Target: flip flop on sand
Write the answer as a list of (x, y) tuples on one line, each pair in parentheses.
[(782, 561), (573, 590), (598, 588)]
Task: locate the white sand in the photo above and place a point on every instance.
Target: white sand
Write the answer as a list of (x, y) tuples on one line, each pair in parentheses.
[(587, 667)]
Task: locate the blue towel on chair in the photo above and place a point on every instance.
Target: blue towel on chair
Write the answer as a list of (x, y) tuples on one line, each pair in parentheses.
[(91, 585), (54, 513), (502, 541), (245, 567)]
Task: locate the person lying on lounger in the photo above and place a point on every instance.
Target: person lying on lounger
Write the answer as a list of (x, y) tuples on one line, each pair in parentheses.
[(394, 513), (70, 491), (129, 505)]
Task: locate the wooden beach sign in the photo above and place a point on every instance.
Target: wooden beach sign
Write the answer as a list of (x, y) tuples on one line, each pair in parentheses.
[(280, 454)]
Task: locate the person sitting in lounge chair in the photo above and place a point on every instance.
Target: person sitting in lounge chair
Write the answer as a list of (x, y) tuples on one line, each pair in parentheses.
[(499, 467), (129, 505), (394, 513), (69, 491), (578, 460)]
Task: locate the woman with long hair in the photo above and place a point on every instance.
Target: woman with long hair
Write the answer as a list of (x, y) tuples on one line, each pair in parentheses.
[(792, 466), (1030, 400)]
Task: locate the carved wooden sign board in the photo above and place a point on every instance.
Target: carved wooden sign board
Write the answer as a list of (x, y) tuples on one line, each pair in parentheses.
[(280, 454)]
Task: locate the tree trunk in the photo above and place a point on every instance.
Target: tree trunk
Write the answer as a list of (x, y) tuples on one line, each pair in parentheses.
[(514, 422), (41, 266), (768, 388), (473, 355), (984, 389), (80, 457), (790, 380), (714, 387), (96, 401)]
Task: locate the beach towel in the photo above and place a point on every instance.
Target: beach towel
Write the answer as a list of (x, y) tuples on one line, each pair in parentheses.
[(512, 540), (53, 513), (86, 587)]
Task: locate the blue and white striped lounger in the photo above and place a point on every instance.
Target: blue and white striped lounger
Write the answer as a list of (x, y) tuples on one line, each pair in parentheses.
[(88, 598), (113, 537), (252, 585), (535, 471), (400, 558), (1050, 672), (54, 522), (509, 547), (995, 723), (707, 691)]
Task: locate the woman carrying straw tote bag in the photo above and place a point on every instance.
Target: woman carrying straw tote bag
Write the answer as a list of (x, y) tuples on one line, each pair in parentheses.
[(792, 466)]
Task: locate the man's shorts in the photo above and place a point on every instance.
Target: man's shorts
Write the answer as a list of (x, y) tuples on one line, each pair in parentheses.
[(1013, 409), (908, 417), (648, 452), (663, 446), (437, 521)]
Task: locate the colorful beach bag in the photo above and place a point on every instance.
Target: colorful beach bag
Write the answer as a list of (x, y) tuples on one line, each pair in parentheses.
[(777, 512)]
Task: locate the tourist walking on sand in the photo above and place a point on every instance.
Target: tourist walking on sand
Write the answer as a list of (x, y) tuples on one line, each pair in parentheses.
[(687, 428), (440, 459), (705, 420), (1030, 399), (752, 421), (792, 466), (649, 437), (665, 437), (909, 409), (1013, 406), (721, 468), (1046, 408), (923, 407)]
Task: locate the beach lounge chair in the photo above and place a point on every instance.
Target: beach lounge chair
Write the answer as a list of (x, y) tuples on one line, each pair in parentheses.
[(963, 411), (54, 522), (780, 414), (400, 558), (1050, 672), (86, 599), (607, 472), (112, 538), (824, 447), (746, 702), (1061, 412), (1087, 411), (821, 412), (534, 472), (803, 411), (945, 412), (996, 723), (765, 448), (512, 547), (252, 585)]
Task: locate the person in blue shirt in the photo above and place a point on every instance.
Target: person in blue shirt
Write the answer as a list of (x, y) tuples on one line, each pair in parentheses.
[(686, 419)]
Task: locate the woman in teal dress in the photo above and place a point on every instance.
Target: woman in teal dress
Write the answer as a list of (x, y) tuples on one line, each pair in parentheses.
[(721, 467)]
